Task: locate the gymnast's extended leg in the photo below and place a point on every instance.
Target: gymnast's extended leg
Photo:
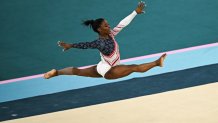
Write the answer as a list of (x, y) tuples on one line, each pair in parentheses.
[(88, 72), (114, 73), (124, 70)]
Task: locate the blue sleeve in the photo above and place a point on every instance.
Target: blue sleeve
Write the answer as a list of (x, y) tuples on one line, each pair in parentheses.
[(97, 44)]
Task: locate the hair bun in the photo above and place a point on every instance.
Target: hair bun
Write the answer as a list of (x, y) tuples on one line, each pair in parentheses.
[(88, 22), (94, 24)]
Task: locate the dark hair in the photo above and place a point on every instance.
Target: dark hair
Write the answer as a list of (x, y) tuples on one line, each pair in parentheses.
[(95, 24)]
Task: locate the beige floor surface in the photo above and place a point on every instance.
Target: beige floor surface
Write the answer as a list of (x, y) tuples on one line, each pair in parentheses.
[(191, 105)]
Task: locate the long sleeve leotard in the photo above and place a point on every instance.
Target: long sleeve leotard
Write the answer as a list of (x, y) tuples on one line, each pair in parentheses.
[(106, 46)]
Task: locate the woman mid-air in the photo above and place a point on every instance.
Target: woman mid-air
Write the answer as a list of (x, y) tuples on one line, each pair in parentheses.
[(109, 67)]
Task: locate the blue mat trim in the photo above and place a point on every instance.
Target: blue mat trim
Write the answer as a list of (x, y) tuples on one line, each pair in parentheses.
[(40, 86), (108, 92)]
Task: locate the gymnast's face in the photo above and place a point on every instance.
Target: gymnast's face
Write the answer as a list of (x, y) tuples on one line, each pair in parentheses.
[(104, 28)]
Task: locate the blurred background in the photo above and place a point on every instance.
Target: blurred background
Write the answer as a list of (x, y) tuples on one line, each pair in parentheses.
[(30, 30)]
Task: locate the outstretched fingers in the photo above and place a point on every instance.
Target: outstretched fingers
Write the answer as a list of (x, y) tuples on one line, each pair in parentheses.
[(64, 45), (140, 7)]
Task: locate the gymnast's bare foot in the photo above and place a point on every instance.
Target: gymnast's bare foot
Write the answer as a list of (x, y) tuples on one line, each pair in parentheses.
[(160, 61), (50, 74)]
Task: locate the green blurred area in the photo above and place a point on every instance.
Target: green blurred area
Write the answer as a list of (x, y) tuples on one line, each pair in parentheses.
[(30, 30)]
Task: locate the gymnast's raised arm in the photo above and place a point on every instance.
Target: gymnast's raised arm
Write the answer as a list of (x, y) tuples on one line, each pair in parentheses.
[(123, 23)]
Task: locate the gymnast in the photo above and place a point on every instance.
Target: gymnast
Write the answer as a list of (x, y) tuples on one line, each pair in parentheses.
[(109, 67)]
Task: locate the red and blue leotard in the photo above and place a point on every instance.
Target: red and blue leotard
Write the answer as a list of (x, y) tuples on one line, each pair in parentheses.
[(109, 48)]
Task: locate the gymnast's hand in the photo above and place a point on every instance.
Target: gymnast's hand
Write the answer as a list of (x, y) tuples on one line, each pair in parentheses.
[(140, 7), (64, 45)]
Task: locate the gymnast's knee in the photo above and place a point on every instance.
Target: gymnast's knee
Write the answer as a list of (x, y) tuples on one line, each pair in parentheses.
[(75, 71), (109, 76)]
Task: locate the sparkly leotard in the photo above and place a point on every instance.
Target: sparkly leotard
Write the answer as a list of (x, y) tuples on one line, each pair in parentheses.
[(109, 49), (105, 46)]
